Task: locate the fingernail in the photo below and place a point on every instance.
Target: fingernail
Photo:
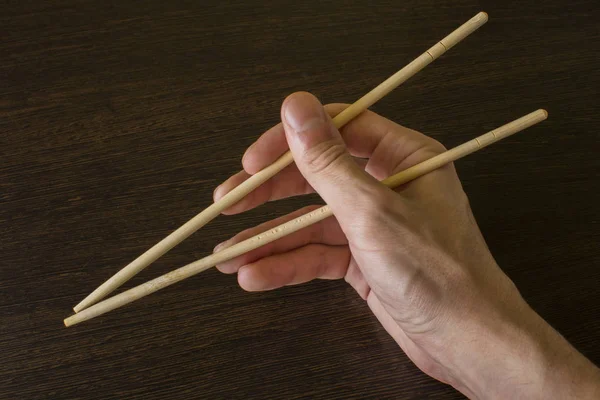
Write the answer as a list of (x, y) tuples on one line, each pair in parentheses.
[(221, 246), (246, 153), (303, 112), (216, 193)]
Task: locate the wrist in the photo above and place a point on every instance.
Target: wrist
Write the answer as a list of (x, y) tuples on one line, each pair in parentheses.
[(518, 355), (501, 359)]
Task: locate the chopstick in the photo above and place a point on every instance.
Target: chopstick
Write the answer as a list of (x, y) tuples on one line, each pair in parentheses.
[(302, 222), (262, 176)]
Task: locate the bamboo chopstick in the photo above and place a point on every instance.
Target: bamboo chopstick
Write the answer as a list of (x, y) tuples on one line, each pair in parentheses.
[(302, 221), (262, 176)]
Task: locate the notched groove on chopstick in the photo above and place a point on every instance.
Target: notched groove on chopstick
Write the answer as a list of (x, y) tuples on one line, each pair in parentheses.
[(268, 172), (296, 224)]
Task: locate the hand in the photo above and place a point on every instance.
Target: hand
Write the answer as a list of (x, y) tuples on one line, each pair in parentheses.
[(415, 254)]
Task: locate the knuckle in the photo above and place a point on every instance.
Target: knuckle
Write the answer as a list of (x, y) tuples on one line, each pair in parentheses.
[(325, 156), (437, 147)]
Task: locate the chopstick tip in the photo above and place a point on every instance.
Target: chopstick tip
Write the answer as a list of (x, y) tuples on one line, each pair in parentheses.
[(477, 21), (544, 112), (83, 304)]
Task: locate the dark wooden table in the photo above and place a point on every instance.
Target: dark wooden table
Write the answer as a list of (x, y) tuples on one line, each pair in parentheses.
[(117, 120)]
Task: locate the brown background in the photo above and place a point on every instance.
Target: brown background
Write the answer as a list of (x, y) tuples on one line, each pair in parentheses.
[(118, 120)]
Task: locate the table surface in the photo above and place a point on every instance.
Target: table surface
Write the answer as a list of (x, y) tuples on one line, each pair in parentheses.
[(118, 120)]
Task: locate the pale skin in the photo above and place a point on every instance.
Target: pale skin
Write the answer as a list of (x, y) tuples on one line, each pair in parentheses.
[(415, 254)]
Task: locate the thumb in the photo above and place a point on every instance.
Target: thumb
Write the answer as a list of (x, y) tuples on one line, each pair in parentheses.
[(323, 160)]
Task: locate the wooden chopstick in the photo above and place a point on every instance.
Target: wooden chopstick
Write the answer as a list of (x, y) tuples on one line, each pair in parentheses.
[(262, 176), (301, 222)]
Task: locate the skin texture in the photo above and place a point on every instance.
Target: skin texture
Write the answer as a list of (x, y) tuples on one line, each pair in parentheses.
[(415, 254)]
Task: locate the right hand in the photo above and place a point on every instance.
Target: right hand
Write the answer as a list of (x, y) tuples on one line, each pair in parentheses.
[(415, 254)]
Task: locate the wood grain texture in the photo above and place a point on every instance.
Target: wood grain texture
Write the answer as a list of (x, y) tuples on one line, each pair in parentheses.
[(118, 120), (300, 222), (249, 185)]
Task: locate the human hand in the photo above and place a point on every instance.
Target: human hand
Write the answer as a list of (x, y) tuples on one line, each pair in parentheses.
[(415, 254)]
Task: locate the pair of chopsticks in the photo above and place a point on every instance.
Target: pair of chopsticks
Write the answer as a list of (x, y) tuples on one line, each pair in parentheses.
[(90, 307)]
